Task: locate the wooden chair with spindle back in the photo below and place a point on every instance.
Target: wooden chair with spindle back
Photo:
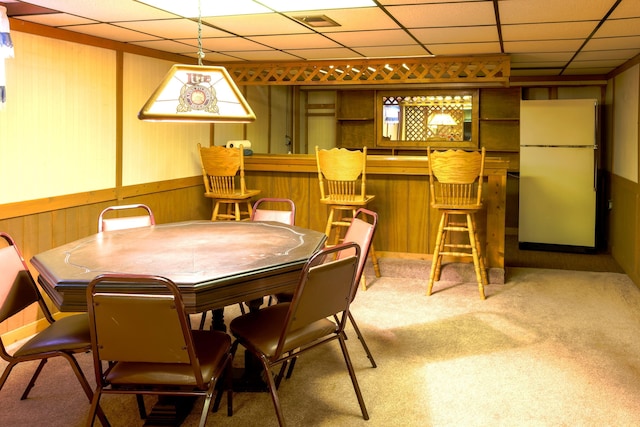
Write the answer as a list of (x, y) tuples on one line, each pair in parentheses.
[(342, 176), (224, 182), (455, 183)]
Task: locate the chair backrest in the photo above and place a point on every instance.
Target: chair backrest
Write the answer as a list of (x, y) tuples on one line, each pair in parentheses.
[(324, 290), (455, 178), (342, 173), (361, 231), (18, 290), (220, 167), (260, 213), (125, 222), (139, 318)]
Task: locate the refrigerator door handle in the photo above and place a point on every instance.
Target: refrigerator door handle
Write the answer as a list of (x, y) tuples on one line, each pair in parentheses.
[(595, 170)]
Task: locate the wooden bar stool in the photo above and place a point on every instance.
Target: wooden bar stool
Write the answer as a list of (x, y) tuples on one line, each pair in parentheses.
[(343, 179), (223, 175), (455, 183)]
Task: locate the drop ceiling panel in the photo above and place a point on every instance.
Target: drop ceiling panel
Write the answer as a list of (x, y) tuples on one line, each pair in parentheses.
[(457, 49), (373, 38), (445, 14), (178, 28), (456, 35), (295, 41), (110, 32), (528, 11), (548, 31), (544, 46), (256, 25), (392, 51)]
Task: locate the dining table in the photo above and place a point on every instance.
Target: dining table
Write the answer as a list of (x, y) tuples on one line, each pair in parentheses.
[(214, 263)]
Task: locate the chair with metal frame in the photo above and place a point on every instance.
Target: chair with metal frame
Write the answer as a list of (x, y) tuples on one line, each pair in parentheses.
[(125, 222), (280, 332), (361, 231), (224, 182), (261, 213), (142, 343), (455, 184), (263, 210), (64, 338)]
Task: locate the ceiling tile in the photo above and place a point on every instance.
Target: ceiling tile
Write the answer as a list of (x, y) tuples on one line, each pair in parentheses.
[(627, 9), (622, 54), (548, 31), (178, 28), (563, 57), (57, 19), (528, 11), (257, 25), (110, 32), (295, 41), (445, 14), (536, 72), (105, 11), (543, 46), (456, 34), (465, 49), (392, 51), (619, 27), (324, 53), (372, 38), (168, 46), (227, 44), (610, 43), (273, 55)]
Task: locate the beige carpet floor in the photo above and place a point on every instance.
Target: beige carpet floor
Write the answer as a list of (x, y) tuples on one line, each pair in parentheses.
[(547, 348)]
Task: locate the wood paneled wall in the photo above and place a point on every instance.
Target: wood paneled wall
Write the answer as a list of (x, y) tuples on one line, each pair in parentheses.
[(44, 230)]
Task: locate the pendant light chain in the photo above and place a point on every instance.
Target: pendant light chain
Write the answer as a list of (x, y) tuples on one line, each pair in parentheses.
[(200, 52)]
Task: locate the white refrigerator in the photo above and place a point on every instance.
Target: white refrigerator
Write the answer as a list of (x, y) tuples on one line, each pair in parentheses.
[(558, 175)]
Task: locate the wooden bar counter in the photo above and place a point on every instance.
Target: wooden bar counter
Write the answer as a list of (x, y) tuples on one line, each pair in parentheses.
[(407, 224)]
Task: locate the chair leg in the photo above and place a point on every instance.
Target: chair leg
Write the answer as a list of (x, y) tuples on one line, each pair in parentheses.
[(477, 264), (34, 377), (435, 260), (274, 392), (327, 229), (141, 409), (206, 405), (249, 209), (93, 409), (483, 266), (216, 209), (86, 387), (362, 341), (203, 319), (352, 374)]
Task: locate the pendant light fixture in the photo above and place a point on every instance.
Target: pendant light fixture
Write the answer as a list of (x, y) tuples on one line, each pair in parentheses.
[(197, 93)]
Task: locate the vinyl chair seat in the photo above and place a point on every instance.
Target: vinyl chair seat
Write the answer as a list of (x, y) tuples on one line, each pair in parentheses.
[(211, 349), (273, 318), (68, 333)]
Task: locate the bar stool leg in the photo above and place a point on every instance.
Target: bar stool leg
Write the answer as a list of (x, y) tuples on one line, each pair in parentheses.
[(216, 209), (478, 260), (436, 259)]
